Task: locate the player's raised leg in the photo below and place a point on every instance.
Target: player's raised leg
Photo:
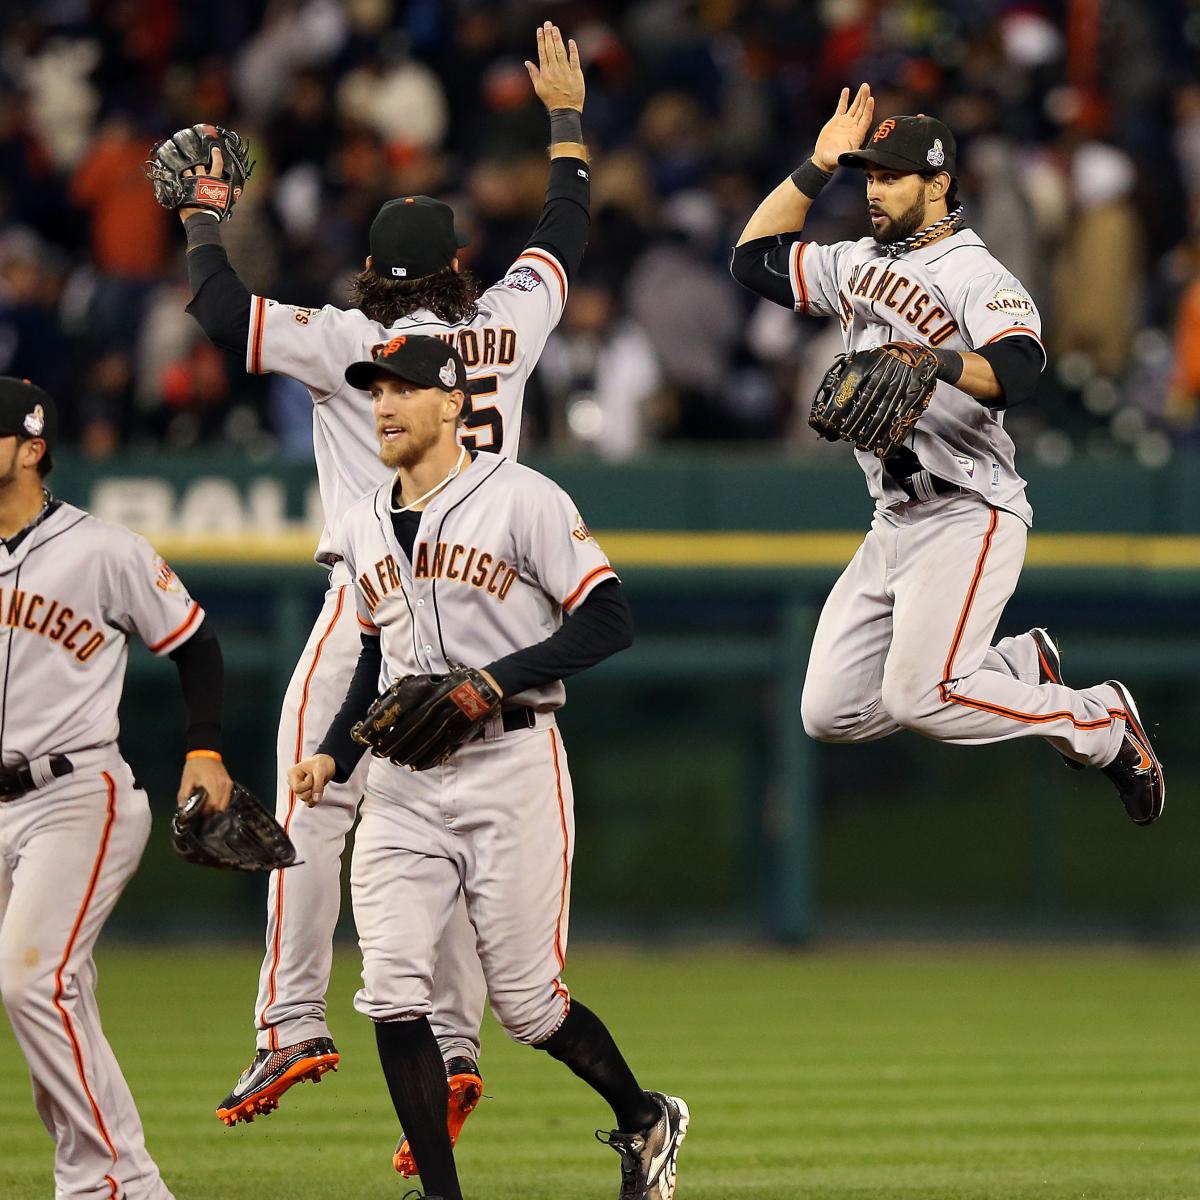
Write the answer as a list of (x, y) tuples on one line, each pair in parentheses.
[(969, 556), (74, 848), (517, 877)]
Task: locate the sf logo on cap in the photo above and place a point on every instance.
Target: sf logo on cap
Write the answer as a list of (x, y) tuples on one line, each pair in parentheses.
[(35, 421), (883, 130), (390, 347)]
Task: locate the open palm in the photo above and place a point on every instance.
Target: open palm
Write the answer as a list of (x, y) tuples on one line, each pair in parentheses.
[(846, 129)]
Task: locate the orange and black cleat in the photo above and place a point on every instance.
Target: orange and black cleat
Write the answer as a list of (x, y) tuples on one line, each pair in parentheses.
[(466, 1087), (271, 1073)]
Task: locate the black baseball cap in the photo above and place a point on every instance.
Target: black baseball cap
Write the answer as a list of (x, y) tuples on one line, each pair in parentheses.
[(27, 412), (416, 358), (907, 144), (413, 236)]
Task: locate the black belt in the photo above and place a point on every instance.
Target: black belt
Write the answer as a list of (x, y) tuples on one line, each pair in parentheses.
[(518, 718), (924, 486), (16, 781)]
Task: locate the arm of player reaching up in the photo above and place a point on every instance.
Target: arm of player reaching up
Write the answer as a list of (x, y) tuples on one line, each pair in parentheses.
[(763, 259), (562, 229), (201, 669)]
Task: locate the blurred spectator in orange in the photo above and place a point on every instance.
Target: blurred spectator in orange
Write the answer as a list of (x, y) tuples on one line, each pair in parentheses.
[(129, 231)]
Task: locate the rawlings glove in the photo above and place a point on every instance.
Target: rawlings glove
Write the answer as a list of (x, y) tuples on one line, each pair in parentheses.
[(873, 398), (193, 147), (244, 837), (422, 719)]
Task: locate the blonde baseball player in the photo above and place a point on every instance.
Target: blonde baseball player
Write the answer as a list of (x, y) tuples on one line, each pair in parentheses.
[(467, 557), (73, 823), (411, 284), (905, 639)]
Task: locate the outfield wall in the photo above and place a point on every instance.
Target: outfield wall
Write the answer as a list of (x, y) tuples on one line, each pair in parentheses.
[(702, 805)]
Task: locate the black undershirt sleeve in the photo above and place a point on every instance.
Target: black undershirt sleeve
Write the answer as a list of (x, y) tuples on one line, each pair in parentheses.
[(762, 266), (598, 628), (220, 300), (1017, 362), (201, 669), (364, 688), (566, 216)]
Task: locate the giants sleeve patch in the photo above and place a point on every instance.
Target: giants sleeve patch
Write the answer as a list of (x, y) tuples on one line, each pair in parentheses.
[(522, 279), (1010, 301)]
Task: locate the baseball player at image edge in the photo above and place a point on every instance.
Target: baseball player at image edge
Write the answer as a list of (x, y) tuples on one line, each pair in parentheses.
[(905, 638), (73, 821), (412, 283), (470, 558)]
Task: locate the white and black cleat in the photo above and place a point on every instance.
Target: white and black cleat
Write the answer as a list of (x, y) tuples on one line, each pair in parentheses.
[(649, 1158)]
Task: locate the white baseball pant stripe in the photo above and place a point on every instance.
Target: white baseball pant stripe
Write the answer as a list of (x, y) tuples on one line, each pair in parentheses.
[(303, 901), (904, 641), (496, 823), (66, 854)]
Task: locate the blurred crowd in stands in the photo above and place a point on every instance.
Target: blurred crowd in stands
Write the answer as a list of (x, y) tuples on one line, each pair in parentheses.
[(1079, 142)]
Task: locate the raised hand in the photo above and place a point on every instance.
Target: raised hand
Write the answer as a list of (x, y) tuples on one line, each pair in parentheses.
[(558, 77), (846, 129), (215, 170)]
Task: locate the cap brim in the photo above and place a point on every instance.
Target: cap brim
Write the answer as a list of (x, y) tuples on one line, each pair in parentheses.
[(881, 158), (361, 375)]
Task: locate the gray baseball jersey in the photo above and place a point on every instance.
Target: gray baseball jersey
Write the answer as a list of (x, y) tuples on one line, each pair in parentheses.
[(72, 593), (499, 346), (952, 294), (500, 555)]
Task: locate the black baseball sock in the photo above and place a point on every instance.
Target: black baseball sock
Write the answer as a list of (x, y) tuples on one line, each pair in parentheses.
[(586, 1046), (416, 1077)]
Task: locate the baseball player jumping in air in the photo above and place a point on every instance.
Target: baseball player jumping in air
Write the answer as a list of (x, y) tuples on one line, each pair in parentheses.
[(73, 823), (905, 638), (466, 557), (411, 284)]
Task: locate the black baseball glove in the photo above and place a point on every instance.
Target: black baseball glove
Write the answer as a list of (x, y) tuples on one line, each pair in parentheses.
[(243, 837), (873, 398), (193, 147), (422, 719)]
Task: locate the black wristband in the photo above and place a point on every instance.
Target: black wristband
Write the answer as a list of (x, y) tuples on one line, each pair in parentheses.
[(203, 229), (810, 179), (950, 365), (566, 125)]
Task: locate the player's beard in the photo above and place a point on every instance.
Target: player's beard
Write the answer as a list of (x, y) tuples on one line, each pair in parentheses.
[(404, 455), (905, 225)]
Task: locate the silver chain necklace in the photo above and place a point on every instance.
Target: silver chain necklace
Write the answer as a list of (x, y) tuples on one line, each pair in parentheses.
[(950, 223)]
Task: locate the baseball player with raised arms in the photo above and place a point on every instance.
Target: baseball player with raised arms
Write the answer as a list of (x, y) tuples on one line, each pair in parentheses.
[(411, 284), (467, 557), (73, 823), (905, 638)]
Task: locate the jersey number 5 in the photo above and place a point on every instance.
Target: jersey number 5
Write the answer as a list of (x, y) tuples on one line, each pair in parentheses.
[(483, 422)]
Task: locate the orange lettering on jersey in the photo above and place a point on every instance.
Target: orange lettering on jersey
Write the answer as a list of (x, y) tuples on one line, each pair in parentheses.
[(421, 567), (496, 573), (938, 336), (89, 647), (509, 580), (455, 555), (506, 353), (884, 279), (847, 317), (393, 573), (15, 603), (918, 307), (935, 312), (489, 346), (439, 560), (35, 602), (481, 570), (468, 348), (860, 288), (465, 574), (49, 617), (890, 299), (381, 576), (65, 617), (369, 594), (69, 642)]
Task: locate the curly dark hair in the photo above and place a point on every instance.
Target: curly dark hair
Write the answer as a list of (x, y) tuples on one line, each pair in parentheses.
[(449, 294)]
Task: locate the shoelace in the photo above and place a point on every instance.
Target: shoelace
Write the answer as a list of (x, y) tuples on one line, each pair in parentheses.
[(628, 1146)]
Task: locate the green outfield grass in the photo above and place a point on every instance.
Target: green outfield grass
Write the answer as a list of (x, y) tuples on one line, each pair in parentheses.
[(927, 1074)]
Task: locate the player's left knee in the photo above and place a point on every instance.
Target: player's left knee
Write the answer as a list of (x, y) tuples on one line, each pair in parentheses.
[(26, 983), (529, 1016), (912, 702)]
